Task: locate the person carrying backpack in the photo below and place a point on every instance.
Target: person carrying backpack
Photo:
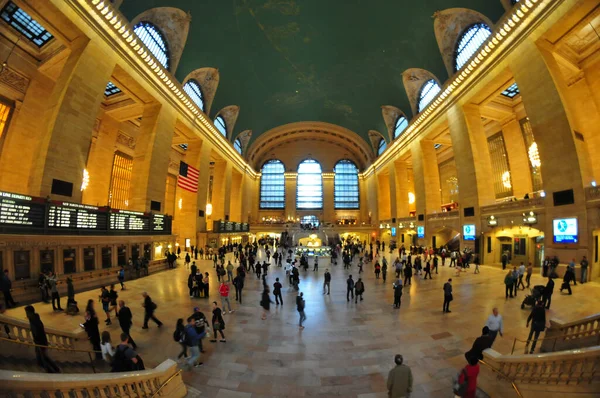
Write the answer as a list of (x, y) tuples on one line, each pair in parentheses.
[(465, 385), (125, 358), (179, 336), (359, 288)]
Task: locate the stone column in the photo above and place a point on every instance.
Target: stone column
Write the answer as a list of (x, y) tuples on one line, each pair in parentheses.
[(427, 178), (364, 203), (291, 182), (372, 199), (517, 158), (402, 188), (151, 157), (203, 165), (382, 182), (236, 196), (100, 162), (249, 194), (393, 190), (63, 144), (227, 192), (328, 197)]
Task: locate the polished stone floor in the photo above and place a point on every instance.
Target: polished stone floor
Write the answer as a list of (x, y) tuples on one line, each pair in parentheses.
[(346, 349)]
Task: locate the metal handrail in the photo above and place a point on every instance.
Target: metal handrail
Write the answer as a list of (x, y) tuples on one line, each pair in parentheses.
[(578, 334), (166, 382), (512, 383), (89, 352)]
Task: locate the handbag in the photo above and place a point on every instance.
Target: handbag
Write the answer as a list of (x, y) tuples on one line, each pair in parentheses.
[(216, 326)]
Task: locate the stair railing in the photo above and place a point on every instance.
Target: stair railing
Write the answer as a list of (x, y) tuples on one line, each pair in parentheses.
[(503, 376), (71, 350)]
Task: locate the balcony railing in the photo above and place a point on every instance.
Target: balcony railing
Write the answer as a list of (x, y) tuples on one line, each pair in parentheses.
[(592, 194), (443, 215), (518, 206)]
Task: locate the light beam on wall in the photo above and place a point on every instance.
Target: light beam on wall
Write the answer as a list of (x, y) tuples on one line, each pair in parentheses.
[(85, 180), (411, 198), (209, 209)]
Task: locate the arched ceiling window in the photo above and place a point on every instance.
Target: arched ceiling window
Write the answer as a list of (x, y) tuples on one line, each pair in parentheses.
[(221, 125), (272, 185), (401, 125), (381, 147), (237, 145), (345, 185), (310, 185), (27, 26), (154, 40), (194, 91), (428, 92), (468, 44)]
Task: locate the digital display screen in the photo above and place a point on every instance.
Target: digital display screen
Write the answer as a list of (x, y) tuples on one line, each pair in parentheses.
[(393, 231), (20, 211), (76, 216), (230, 226), (158, 222), (420, 231), (129, 221), (565, 230), (469, 232)]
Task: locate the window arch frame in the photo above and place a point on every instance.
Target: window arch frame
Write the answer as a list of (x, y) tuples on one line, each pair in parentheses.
[(222, 123), (381, 147), (420, 105), (194, 84), (279, 202), (151, 27), (237, 145), (397, 125), (338, 203), (477, 27), (318, 198)]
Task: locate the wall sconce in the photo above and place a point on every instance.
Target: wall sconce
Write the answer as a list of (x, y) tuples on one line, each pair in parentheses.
[(529, 218), (180, 203), (492, 221)]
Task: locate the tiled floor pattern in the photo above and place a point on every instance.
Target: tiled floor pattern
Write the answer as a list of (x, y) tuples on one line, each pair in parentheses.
[(346, 349)]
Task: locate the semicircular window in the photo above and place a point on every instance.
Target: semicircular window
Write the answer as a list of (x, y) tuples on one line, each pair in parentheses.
[(221, 125), (194, 91), (154, 40), (309, 185), (237, 145), (401, 125), (428, 92), (468, 44), (381, 147)]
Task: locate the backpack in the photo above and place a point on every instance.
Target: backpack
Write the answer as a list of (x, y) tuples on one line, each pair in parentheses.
[(178, 335), (460, 389), (120, 362)]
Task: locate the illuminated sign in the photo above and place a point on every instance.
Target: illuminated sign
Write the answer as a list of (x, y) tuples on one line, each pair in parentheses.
[(420, 231), (469, 232), (565, 230)]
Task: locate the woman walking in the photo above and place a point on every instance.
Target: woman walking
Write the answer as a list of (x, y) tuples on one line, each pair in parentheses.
[(108, 352), (265, 302), (91, 327), (377, 270), (218, 323), (179, 336)]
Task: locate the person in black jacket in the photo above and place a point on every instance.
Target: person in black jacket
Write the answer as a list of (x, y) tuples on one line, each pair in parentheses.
[(548, 290), (397, 293), (538, 324), (6, 290), (480, 344), (149, 308), (218, 323), (238, 282), (349, 288), (277, 292), (91, 327), (327, 281), (41, 340), (125, 321)]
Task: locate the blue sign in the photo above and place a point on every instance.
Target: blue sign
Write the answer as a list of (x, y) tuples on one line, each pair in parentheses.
[(420, 231), (565, 230), (469, 232), (393, 231)]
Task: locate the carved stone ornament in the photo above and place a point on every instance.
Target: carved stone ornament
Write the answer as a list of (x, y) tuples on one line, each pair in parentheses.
[(413, 80), (390, 116), (14, 80), (244, 138), (230, 114), (375, 137), (126, 140)]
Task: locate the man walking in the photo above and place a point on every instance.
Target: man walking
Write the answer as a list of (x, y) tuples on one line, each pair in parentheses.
[(149, 307), (125, 321), (41, 340), (548, 291), (400, 379), (397, 293), (277, 292), (349, 288), (238, 282), (538, 324), (229, 271), (495, 324), (521, 273), (51, 280), (224, 293), (447, 295), (327, 281), (528, 275), (584, 268), (300, 304)]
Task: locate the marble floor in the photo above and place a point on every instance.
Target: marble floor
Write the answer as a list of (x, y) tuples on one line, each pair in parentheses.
[(346, 349)]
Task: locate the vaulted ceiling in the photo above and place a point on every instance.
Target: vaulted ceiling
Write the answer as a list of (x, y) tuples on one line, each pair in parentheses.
[(334, 61)]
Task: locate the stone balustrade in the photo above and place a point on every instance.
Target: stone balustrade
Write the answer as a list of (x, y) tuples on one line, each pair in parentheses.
[(518, 206), (578, 334), (592, 194), (443, 215), (164, 381), (19, 329)]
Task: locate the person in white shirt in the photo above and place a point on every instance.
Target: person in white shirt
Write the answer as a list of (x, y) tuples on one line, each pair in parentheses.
[(495, 324), (521, 272), (108, 352)]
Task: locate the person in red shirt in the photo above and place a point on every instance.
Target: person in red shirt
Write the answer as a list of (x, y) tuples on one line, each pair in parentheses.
[(224, 293), (471, 370)]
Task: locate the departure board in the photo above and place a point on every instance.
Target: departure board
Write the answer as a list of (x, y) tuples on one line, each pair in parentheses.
[(229, 226), (158, 222), (129, 221), (76, 216), (21, 210)]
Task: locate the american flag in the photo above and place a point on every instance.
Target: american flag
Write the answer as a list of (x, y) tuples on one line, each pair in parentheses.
[(188, 177)]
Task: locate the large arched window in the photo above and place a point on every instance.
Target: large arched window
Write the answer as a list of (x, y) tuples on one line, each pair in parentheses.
[(221, 125), (194, 91), (468, 44), (401, 125), (381, 146), (154, 40), (310, 185), (272, 185), (428, 92), (345, 185), (237, 145)]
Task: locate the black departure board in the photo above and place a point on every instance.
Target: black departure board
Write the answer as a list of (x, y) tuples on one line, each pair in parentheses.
[(125, 220), (76, 216), (159, 223), (18, 210), (229, 226)]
